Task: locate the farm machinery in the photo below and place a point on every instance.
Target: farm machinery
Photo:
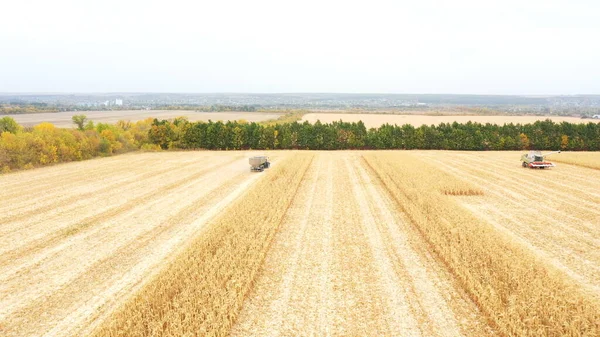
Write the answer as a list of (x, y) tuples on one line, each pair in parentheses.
[(259, 163), (535, 159)]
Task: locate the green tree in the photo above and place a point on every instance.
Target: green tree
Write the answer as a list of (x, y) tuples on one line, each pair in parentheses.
[(79, 120), (8, 124)]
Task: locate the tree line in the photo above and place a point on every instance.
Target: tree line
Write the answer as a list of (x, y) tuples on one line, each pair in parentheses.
[(233, 135), (45, 144)]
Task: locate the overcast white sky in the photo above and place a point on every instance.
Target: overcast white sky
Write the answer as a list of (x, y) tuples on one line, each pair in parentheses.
[(375, 46)]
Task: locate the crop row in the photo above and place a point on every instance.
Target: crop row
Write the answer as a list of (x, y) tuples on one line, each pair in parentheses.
[(518, 292), (584, 159), (201, 292)]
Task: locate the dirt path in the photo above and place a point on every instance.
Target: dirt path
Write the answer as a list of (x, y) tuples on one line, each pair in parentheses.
[(556, 212), (82, 251), (346, 263)]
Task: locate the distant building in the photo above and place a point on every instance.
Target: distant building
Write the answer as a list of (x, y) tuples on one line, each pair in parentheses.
[(118, 102)]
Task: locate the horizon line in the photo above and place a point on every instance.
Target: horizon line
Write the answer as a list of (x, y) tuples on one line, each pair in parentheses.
[(269, 93)]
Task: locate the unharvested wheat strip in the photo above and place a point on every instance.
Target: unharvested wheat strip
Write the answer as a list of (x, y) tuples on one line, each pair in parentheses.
[(98, 238), (583, 159), (402, 320), (440, 319)]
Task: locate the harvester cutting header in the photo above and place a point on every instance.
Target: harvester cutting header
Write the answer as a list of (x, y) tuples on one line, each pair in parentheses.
[(535, 159)]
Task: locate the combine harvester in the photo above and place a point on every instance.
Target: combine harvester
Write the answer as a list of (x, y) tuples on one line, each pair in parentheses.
[(535, 159), (259, 163)]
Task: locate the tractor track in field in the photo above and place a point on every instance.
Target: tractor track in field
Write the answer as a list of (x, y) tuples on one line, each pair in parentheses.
[(345, 263)]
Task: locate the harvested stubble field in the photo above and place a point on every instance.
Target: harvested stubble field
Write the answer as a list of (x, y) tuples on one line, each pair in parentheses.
[(351, 243), (63, 119), (373, 120)]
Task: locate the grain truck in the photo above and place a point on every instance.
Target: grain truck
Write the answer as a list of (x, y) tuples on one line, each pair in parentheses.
[(259, 163)]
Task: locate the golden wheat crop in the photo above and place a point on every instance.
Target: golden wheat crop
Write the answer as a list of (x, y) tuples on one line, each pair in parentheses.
[(520, 294), (201, 292), (585, 159)]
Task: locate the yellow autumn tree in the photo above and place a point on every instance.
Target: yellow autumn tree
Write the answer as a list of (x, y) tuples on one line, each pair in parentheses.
[(524, 141), (564, 142)]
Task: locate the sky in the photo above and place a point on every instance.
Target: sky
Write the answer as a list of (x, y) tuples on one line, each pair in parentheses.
[(532, 47)]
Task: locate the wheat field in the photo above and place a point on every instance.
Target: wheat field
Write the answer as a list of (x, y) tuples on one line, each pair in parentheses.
[(348, 243), (374, 120), (585, 159)]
